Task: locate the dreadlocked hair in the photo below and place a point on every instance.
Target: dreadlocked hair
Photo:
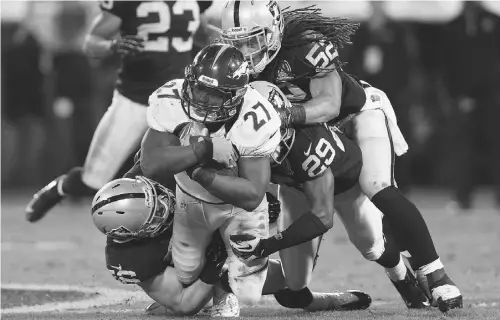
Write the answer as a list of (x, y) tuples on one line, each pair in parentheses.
[(308, 25)]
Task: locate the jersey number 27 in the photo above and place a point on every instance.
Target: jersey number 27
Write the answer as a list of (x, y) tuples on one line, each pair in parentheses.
[(160, 8)]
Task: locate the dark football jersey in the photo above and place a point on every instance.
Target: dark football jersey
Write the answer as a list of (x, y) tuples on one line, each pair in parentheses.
[(168, 28), (316, 148), (138, 260), (300, 64)]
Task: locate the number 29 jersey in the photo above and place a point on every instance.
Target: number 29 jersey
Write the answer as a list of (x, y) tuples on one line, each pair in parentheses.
[(254, 133), (167, 28)]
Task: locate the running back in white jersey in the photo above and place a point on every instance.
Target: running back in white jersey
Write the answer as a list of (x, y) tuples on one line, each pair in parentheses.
[(255, 133)]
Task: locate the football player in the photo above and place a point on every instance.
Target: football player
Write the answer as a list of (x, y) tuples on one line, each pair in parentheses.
[(310, 189), (310, 72), (136, 215), (154, 39)]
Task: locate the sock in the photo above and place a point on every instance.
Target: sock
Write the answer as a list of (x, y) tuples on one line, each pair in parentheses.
[(407, 225), (304, 229), (390, 257), (73, 185), (294, 299), (398, 272)]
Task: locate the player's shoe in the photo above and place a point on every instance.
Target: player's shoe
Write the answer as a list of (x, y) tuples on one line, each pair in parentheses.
[(419, 275), (446, 295), (44, 200), (412, 294), (340, 301), (225, 305)]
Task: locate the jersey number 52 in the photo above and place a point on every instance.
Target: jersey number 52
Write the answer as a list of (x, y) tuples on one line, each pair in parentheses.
[(322, 52)]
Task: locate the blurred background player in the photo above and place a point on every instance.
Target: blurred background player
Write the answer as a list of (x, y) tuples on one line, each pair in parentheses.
[(155, 40)]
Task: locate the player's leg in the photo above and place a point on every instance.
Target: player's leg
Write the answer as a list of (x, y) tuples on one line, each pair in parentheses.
[(118, 135), (191, 236), (372, 134), (247, 279), (363, 222)]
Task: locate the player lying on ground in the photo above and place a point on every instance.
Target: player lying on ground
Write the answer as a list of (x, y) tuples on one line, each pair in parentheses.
[(308, 206), (137, 216), (154, 39), (310, 73), (254, 113)]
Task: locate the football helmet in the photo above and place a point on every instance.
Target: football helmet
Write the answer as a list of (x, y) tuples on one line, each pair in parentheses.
[(215, 84), (254, 27), (279, 101), (126, 209)]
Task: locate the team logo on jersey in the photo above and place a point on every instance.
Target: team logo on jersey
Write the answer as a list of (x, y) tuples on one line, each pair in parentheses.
[(241, 71), (285, 72)]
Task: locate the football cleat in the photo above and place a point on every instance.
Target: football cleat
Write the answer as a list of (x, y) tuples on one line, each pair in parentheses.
[(419, 275), (446, 295), (340, 301), (156, 309), (44, 200), (412, 294), (225, 305)]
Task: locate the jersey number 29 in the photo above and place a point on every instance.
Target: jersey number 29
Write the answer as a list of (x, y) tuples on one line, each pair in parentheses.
[(161, 44)]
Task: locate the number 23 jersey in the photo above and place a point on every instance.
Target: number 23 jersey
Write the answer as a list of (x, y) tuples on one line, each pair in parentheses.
[(167, 28), (254, 133)]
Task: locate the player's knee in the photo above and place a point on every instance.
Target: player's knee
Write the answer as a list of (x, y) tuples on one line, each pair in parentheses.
[(373, 185), (325, 215), (371, 248), (73, 184)]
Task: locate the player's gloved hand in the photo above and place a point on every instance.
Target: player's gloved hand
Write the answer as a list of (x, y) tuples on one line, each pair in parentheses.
[(274, 207), (127, 45), (246, 247), (215, 257), (219, 149)]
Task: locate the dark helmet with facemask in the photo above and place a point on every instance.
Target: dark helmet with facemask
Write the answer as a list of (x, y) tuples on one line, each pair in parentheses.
[(215, 84)]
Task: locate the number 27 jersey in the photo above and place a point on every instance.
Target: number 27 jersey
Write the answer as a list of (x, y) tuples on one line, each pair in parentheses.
[(255, 132)]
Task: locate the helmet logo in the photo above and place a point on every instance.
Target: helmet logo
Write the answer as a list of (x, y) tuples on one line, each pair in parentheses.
[(237, 30), (207, 80), (241, 71), (274, 9)]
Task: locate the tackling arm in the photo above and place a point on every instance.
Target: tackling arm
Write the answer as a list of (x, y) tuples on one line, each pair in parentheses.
[(168, 291), (245, 191), (326, 92), (104, 28)]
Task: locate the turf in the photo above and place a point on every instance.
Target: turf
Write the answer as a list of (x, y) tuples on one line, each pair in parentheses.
[(65, 249)]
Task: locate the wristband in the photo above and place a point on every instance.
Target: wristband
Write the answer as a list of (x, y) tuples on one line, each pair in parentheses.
[(298, 115)]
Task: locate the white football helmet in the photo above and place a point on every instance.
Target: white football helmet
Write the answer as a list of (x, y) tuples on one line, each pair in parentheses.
[(126, 209), (254, 27), (279, 101)]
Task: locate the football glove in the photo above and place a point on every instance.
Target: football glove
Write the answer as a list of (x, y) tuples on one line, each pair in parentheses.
[(246, 247), (215, 257), (274, 206), (127, 45)]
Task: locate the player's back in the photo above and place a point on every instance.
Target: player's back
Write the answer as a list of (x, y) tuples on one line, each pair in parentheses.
[(167, 28), (254, 132)]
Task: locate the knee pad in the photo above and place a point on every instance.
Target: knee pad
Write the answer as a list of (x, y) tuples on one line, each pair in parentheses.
[(73, 184)]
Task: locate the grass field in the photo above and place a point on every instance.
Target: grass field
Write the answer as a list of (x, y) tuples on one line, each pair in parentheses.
[(55, 269)]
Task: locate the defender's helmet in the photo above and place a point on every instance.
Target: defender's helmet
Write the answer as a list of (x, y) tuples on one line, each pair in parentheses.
[(254, 27), (215, 84), (126, 209), (279, 101)]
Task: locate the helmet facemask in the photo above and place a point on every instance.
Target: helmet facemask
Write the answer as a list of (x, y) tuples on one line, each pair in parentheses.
[(284, 147), (204, 102)]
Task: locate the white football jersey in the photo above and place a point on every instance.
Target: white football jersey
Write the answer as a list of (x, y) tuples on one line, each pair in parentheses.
[(255, 133)]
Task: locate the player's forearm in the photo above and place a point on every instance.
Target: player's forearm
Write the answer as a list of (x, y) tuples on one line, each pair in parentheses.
[(171, 159), (193, 298), (320, 110), (237, 191), (97, 47)]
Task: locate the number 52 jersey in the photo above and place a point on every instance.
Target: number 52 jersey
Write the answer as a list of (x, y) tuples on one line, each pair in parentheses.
[(254, 133)]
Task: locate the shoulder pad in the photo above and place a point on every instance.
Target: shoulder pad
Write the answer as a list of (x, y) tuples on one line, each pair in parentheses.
[(256, 132), (164, 112), (311, 58)]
